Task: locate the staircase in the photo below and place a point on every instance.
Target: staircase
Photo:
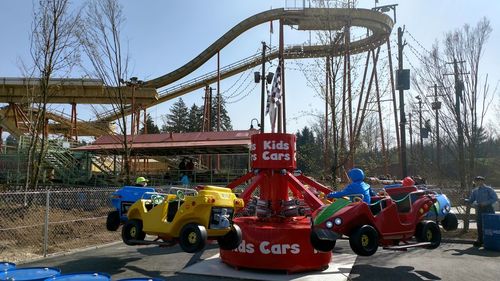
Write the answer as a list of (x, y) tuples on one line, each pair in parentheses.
[(105, 166), (65, 166), (59, 163)]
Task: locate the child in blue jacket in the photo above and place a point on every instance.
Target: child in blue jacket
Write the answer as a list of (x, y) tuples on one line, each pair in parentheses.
[(356, 187)]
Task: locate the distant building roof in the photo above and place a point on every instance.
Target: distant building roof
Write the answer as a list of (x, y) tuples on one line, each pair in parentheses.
[(224, 142)]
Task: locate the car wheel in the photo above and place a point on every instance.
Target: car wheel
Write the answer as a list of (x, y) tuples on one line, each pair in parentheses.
[(450, 222), (321, 244), (113, 221), (132, 230), (364, 240), (193, 238), (418, 231), (232, 239), (429, 232)]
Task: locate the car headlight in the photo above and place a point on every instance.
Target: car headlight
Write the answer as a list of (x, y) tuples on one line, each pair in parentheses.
[(338, 221), (329, 224)]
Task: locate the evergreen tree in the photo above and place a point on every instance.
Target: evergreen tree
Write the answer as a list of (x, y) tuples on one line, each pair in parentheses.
[(150, 125), (308, 152), (177, 119), (225, 119), (195, 119)]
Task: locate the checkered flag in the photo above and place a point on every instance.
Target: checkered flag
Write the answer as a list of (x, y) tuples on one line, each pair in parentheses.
[(274, 98), (276, 89)]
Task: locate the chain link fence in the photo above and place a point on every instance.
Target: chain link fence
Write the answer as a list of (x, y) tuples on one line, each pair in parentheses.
[(37, 223)]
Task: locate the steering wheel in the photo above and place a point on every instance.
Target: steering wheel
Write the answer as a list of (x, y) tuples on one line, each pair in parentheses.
[(156, 199), (180, 194)]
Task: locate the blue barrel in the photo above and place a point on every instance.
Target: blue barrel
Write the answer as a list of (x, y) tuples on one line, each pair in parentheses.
[(29, 274), (491, 232), (89, 276), (141, 279), (4, 266)]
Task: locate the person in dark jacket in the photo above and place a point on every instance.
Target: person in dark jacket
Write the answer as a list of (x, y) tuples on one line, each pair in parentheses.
[(182, 166), (482, 198)]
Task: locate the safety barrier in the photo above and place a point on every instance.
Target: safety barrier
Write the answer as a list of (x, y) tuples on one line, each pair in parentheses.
[(38, 223)]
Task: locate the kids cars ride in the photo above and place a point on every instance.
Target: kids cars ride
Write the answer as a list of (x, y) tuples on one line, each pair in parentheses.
[(189, 217), (385, 222), (121, 200), (440, 212)]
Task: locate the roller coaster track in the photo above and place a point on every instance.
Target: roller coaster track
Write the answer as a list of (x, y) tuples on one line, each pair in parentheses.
[(380, 26), (62, 125)]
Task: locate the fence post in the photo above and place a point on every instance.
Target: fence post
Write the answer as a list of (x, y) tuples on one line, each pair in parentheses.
[(46, 225)]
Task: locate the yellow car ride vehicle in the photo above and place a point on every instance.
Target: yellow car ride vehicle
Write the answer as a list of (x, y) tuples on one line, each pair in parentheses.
[(186, 216)]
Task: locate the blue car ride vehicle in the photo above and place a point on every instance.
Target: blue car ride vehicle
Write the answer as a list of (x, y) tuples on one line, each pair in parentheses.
[(442, 213), (121, 200)]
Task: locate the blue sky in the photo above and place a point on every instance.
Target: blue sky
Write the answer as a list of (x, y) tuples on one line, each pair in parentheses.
[(164, 35)]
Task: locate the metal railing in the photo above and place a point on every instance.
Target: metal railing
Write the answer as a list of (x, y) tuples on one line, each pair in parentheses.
[(196, 177)]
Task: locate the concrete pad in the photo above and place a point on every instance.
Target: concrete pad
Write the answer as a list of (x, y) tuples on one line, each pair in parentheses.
[(338, 269)]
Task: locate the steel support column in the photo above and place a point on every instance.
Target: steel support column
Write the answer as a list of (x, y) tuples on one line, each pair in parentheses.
[(381, 124), (73, 129)]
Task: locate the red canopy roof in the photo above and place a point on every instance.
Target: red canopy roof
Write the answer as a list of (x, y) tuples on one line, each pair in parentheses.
[(225, 142)]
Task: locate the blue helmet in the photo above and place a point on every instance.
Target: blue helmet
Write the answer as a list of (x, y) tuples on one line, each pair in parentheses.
[(356, 174)]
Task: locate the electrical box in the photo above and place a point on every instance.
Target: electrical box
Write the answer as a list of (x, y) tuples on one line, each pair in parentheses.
[(424, 133), (436, 105), (403, 79)]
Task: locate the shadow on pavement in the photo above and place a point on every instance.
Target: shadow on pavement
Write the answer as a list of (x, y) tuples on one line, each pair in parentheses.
[(407, 273), (141, 271), (154, 251), (197, 256), (193, 277), (473, 251), (110, 265)]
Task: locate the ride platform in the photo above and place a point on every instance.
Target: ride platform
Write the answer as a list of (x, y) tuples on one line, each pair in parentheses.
[(276, 225)]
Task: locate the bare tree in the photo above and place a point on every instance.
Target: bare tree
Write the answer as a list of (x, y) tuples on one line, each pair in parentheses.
[(54, 52), (351, 97), (101, 41), (464, 46), (314, 72)]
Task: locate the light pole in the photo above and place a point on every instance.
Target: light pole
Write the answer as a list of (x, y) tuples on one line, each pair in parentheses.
[(402, 83), (421, 132), (261, 77), (420, 125), (436, 106), (134, 83)]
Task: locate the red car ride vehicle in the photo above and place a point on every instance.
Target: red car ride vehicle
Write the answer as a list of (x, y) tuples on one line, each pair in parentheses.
[(385, 222)]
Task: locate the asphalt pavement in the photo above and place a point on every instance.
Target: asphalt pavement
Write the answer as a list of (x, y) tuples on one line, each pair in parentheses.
[(451, 261)]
